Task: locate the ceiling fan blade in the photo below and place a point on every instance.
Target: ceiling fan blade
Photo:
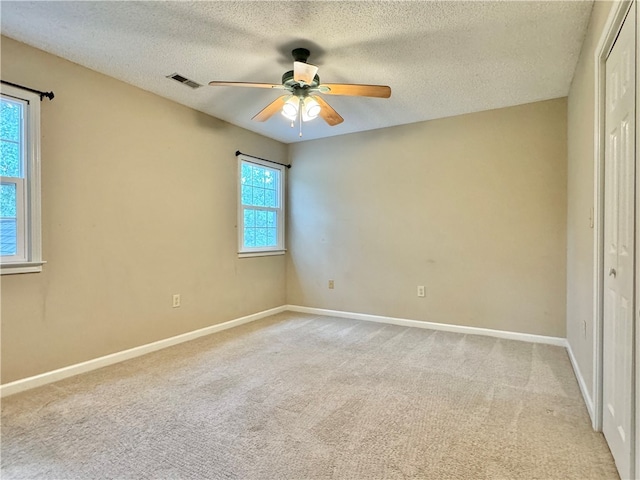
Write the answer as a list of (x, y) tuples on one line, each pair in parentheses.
[(244, 84), (327, 112), (270, 110), (304, 72), (379, 91)]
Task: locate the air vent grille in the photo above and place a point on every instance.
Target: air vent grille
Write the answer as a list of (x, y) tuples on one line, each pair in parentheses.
[(184, 80)]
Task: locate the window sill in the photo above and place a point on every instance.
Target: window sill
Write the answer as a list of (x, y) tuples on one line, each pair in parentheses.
[(261, 254), (24, 267)]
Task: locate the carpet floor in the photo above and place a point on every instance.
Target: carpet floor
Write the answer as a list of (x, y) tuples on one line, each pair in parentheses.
[(306, 397)]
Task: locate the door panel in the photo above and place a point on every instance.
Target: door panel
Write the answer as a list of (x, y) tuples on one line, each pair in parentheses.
[(619, 225)]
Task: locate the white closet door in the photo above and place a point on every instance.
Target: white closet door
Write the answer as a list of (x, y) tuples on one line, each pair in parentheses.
[(619, 226)]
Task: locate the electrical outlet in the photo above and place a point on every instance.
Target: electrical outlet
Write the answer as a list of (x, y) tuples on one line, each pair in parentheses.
[(176, 300), (331, 285), (421, 290)]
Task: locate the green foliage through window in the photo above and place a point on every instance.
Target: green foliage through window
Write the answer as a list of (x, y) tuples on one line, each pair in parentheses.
[(8, 221), (11, 127), (260, 189), (8, 200), (10, 138)]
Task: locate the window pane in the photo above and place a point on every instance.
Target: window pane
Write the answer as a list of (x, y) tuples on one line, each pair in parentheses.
[(270, 198), (10, 138), (247, 195), (260, 228), (249, 217), (249, 237), (272, 237), (8, 200), (246, 174), (258, 176), (11, 115), (261, 218), (261, 237), (259, 186), (271, 219), (270, 179), (8, 236), (8, 221), (258, 197), (9, 158)]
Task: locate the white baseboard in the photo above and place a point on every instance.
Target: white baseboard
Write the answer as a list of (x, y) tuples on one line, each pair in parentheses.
[(524, 337), (582, 384), (72, 370)]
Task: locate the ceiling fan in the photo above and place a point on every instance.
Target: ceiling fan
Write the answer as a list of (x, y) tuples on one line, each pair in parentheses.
[(303, 101)]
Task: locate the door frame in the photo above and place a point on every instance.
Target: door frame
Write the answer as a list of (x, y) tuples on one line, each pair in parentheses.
[(609, 34), (637, 322)]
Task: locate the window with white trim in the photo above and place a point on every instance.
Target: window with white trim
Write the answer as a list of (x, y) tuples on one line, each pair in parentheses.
[(260, 207), (20, 238)]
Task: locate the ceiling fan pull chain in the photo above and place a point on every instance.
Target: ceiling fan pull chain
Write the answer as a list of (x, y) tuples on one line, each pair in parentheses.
[(300, 117)]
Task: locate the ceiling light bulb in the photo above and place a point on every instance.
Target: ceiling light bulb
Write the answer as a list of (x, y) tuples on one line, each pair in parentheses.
[(290, 107)]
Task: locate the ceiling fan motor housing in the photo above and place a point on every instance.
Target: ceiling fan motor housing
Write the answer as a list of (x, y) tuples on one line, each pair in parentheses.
[(289, 81)]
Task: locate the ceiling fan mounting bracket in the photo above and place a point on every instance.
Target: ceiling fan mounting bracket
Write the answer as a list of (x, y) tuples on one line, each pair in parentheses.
[(300, 54)]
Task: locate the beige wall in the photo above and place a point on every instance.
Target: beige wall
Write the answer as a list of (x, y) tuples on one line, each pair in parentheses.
[(473, 207), (581, 197), (138, 203)]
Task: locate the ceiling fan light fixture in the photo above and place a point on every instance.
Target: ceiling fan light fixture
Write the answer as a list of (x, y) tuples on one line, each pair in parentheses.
[(290, 117), (311, 108), (290, 107)]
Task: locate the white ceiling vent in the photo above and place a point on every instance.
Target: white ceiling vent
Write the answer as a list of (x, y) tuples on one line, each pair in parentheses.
[(184, 80)]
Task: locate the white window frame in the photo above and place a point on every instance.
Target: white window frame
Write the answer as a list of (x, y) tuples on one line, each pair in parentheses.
[(279, 249), (28, 258)]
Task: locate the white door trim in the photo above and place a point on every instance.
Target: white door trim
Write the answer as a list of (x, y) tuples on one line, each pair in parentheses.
[(609, 34), (637, 317)]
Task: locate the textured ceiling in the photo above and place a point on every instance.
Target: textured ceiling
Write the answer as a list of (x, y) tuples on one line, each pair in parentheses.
[(440, 58)]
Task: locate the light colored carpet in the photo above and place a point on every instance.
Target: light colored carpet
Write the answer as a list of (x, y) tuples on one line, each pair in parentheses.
[(304, 397)]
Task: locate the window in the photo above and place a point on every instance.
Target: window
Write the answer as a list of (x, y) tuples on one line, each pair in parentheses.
[(260, 207), (20, 245)]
